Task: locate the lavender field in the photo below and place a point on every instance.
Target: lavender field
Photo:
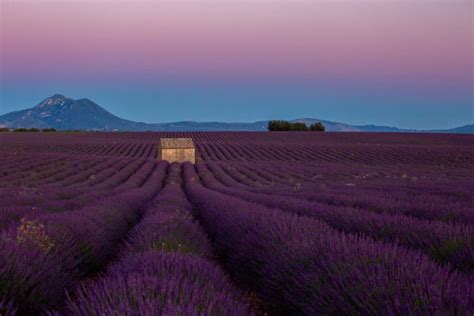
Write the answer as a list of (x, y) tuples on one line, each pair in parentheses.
[(262, 224)]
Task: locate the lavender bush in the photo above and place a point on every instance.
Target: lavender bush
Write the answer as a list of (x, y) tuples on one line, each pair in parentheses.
[(155, 283), (337, 223), (303, 266)]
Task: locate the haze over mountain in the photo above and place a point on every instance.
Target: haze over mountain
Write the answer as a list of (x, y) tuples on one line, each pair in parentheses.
[(65, 113)]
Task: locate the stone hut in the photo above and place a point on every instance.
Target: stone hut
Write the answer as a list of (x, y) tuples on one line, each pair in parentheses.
[(176, 149)]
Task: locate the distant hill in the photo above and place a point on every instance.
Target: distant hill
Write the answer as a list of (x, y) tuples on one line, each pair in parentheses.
[(466, 129), (342, 127), (63, 113)]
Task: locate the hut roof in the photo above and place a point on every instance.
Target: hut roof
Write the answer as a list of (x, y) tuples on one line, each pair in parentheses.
[(176, 143)]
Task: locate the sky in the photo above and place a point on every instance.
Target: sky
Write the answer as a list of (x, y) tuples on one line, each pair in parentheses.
[(404, 63)]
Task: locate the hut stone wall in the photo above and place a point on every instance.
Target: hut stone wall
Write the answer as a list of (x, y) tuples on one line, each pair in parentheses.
[(177, 149)]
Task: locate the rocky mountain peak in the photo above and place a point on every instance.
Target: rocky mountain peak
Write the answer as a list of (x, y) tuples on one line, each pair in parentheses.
[(57, 99)]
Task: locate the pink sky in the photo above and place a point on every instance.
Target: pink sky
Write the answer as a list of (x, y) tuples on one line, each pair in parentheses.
[(403, 40), (397, 62)]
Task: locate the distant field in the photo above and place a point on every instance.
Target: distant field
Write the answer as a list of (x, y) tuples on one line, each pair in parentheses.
[(276, 223)]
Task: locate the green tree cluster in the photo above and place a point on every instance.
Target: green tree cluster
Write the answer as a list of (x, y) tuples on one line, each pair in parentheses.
[(276, 125)]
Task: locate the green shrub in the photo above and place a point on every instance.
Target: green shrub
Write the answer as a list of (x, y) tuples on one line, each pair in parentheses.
[(286, 126), (278, 125), (317, 127), (22, 129), (298, 127)]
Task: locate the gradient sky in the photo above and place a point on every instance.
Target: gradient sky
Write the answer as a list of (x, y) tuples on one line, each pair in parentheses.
[(405, 63)]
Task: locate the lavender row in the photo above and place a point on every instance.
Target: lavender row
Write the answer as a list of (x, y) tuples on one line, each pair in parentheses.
[(385, 150), (45, 256), (123, 149), (164, 267), (366, 155), (79, 181), (444, 243), (168, 224), (300, 265), (30, 191), (34, 201), (441, 203)]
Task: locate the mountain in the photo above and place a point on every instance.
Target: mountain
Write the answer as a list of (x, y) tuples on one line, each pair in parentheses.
[(466, 129), (63, 113), (342, 127)]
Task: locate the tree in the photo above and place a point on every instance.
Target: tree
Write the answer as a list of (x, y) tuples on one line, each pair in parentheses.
[(299, 127), (279, 126), (286, 126), (317, 127)]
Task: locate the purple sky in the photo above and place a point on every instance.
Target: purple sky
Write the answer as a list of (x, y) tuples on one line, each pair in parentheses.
[(407, 63)]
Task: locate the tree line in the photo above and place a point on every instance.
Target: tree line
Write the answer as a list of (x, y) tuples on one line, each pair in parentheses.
[(301, 127), (22, 129)]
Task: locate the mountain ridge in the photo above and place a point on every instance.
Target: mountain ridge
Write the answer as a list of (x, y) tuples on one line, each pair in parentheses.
[(64, 113)]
